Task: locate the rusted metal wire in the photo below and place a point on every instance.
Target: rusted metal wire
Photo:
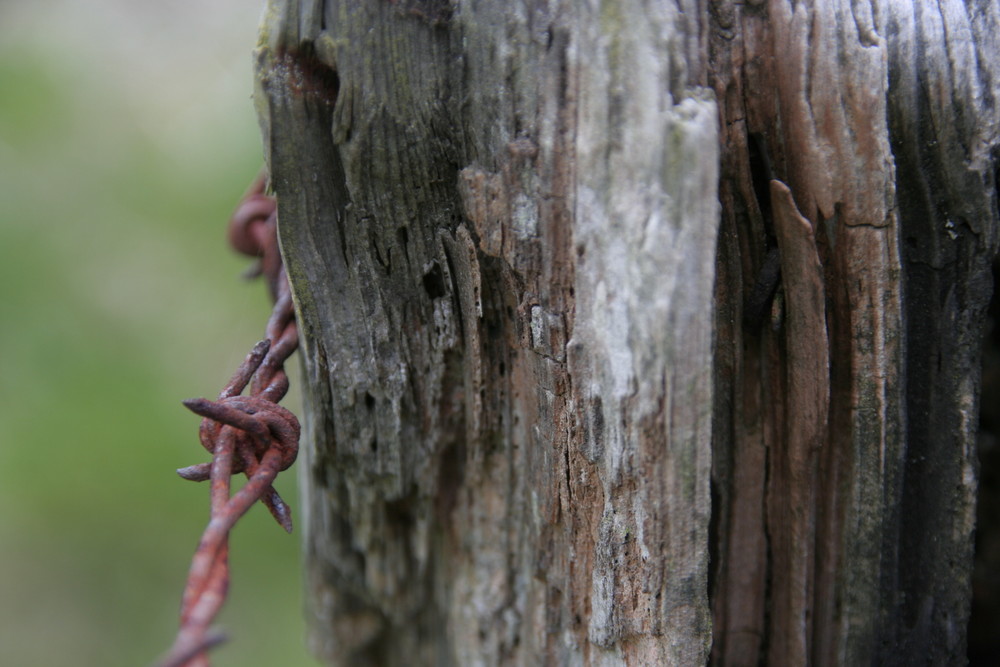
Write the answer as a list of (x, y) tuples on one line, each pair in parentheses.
[(249, 434)]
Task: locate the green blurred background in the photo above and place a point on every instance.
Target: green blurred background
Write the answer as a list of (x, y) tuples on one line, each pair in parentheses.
[(127, 134)]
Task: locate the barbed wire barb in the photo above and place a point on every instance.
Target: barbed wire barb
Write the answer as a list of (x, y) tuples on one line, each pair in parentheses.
[(249, 434)]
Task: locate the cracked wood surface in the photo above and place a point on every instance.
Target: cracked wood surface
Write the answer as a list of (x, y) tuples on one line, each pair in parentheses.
[(865, 111), (500, 225), (515, 233)]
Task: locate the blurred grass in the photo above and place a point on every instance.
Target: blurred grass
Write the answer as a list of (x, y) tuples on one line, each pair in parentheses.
[(127, 134)]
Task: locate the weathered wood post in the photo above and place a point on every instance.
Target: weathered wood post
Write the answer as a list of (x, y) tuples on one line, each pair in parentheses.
[(636, 333)]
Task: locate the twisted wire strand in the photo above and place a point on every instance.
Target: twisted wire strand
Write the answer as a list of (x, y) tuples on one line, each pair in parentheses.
[(248, 434)]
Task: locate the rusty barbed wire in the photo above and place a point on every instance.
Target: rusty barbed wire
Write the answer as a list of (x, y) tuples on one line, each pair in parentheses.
[(249, 434)]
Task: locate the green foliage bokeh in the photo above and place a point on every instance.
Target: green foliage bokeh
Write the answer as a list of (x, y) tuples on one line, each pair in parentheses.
[(127, 134)]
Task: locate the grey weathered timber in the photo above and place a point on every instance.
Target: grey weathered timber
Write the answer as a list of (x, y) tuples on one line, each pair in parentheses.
[(499, 222), (560, 407)]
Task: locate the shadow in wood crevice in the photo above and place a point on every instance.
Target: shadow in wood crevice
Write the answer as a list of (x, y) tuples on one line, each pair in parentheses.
[(984, 640)]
